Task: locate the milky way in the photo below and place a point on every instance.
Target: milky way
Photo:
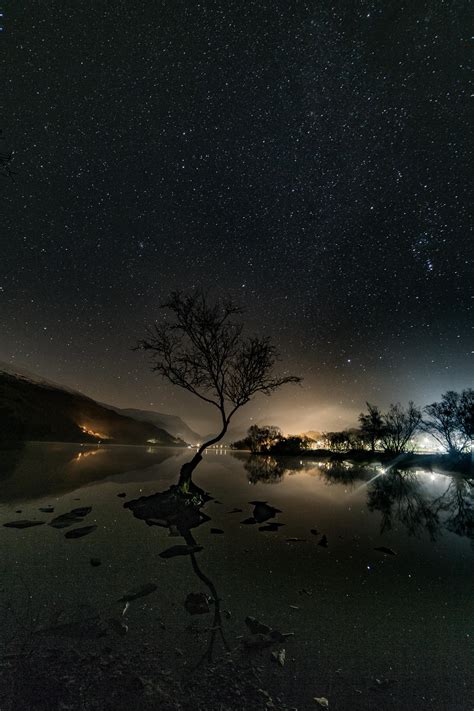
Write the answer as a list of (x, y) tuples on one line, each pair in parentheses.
[(308, 157)]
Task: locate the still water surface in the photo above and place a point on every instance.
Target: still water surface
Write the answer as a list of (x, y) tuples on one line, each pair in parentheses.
[(372, 629)]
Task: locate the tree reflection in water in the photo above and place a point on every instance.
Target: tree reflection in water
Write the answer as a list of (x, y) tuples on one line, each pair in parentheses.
[(399, 495), (265, 469), (402, 497), (180, 513)]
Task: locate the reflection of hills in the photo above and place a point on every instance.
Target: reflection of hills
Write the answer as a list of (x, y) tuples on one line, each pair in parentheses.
[(40, 471)]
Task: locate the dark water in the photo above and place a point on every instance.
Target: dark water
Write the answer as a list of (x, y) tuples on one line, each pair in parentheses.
[(372, 629)]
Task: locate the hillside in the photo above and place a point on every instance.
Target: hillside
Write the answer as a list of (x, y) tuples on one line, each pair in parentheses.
[(34, 409), (171, 423)]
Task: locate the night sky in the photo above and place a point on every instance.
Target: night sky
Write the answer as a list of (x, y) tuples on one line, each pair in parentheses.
[(311, 158)]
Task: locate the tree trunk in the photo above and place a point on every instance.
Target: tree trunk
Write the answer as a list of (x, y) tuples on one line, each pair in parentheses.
[(186, 473), (185, 476)]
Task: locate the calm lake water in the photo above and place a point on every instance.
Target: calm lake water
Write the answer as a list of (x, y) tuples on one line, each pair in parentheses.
[(372, 629)]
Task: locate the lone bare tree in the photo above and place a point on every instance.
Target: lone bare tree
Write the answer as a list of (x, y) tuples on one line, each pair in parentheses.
[(200, 348)]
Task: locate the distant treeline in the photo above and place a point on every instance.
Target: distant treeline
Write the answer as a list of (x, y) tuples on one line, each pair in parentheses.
[(450, 422)]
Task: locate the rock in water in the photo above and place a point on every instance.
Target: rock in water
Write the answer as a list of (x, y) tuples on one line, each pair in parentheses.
[(70, 518), (82, 511), (262, 511), (273, 526), (323, 542), (80, 532), (257, 627), (23, 524)]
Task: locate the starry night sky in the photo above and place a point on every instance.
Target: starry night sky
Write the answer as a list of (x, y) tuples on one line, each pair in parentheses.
[(311, 158)]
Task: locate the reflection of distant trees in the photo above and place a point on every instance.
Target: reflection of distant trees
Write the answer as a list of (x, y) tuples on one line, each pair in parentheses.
[(458, 505), (264, 469), (400, 497), (346, 473)]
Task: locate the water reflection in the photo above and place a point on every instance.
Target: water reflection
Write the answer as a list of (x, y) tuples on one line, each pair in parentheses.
[(41, 470), (182, 513), (264, 469), (399, 496), (410, 497), (250, 577)]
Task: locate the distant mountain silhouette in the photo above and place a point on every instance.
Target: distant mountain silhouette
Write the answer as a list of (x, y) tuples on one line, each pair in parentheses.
[(42, 410), (171, 423)]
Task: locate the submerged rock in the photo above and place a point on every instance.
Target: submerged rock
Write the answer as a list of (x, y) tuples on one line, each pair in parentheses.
[(273, 526), (262, 511), (80, 532), (82, 511), (70, 518), (257, 627), (171, 508), (23, 524), (323, 542)]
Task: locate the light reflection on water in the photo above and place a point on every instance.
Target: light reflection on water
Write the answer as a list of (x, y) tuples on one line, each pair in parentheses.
[(363, 611)]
